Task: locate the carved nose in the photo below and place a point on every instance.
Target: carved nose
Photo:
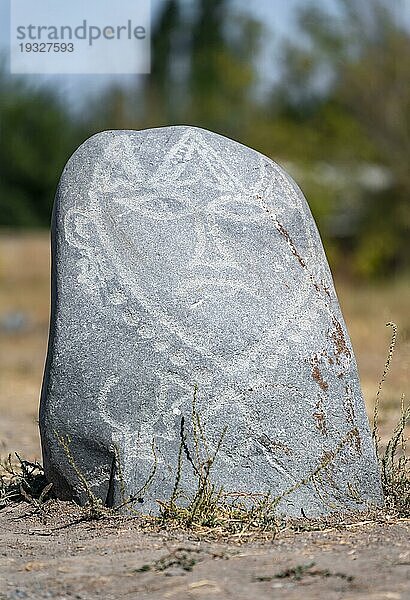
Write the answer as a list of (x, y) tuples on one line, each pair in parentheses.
[(211, 253)]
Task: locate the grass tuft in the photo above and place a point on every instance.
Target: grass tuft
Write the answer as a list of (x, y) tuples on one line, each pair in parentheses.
[(94, 508), (21, 480), (394, 462), (300, 572), (211, 509)]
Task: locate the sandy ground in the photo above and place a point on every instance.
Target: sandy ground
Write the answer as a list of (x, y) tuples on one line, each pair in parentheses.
[(115, 559), (39, 559)]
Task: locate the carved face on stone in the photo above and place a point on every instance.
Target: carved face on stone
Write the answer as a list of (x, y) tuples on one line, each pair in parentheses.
[(204, 269), (177, 236)]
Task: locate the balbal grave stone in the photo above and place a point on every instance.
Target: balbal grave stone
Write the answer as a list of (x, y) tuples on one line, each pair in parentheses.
[(183, 260)]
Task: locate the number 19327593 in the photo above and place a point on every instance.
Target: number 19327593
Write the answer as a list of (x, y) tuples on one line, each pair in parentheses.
[(46, 47)]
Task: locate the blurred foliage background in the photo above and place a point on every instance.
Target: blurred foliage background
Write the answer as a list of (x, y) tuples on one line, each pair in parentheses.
[(337, 118)]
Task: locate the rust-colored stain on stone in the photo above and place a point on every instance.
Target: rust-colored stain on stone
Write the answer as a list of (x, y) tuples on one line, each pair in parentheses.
[(284, 232), (320, 417), (339, 339), (317, 376), (349, 406), (357, 440)]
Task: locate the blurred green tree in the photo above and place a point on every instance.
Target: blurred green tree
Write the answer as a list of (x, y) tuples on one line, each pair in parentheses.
[(203, 70), (37, 136), (154, 99), (222, 76), (161, 90), (345, 92)]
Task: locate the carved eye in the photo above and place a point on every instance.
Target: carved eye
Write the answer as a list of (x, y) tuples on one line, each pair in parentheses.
[(240, 209)]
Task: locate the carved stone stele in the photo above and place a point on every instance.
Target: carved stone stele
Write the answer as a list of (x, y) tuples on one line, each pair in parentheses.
[(183, 260)]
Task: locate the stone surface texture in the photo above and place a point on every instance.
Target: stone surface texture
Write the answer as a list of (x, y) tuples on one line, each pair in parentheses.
[(183, 260)]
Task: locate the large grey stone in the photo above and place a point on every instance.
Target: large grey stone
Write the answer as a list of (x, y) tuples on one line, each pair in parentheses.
[(182, 259)]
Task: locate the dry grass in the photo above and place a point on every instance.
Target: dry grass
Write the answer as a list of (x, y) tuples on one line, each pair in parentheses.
[(211, 509), (366, 309), (393, 461), (21, 480), (24, 289)]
